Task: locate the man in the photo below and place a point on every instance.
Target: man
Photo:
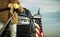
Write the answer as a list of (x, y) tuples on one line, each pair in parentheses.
[(6, 11), (13, 27)]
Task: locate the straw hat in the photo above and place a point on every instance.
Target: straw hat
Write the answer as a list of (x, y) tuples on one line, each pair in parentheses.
[(13, 1)]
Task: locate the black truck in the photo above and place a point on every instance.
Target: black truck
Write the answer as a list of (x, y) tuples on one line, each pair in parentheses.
[(25, 26)]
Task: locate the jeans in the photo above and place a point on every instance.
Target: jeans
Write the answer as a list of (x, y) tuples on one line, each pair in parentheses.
[(12, 28)]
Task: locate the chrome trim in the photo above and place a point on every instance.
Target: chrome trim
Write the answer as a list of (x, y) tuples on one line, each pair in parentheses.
[(23, 20)]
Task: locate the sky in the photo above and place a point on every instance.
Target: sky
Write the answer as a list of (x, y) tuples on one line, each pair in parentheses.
[(50, 11)]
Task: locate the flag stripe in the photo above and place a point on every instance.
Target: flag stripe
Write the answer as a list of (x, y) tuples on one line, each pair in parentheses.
[(37, 30), (42, 34), (38, 34), (37, 26)]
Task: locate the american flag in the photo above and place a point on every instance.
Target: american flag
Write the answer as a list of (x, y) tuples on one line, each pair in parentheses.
[(38, 34)]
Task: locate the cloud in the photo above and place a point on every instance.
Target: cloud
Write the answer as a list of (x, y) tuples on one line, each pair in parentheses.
[(49, 5), (44, 5)]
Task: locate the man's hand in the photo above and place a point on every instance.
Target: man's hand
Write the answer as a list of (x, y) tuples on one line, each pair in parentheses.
[(15, 5)]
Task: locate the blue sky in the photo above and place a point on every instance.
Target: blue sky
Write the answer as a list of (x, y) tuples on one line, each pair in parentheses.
[(50, 11)]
